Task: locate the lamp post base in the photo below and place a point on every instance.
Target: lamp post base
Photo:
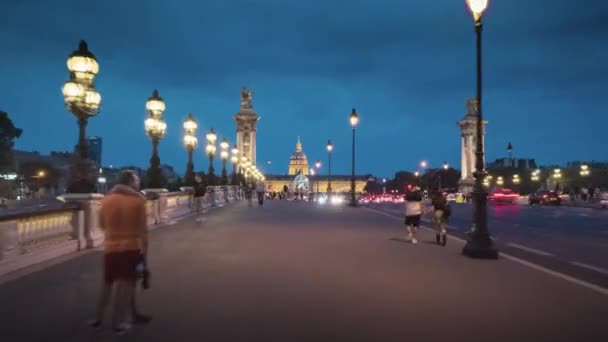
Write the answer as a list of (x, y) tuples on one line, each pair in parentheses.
[(479, 247)]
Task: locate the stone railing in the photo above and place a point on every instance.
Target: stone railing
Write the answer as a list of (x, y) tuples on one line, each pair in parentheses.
[(30, 236)]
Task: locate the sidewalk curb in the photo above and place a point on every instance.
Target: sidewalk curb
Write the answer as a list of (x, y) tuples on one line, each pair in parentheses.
[(570, 279)]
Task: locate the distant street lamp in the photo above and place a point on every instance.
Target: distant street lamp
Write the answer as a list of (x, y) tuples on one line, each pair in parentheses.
[(557, 173), (479, 244), (330, 148), (584, 170), (416, 173), (155, 128), (500, 181), (318, 167), (354, 120), (516, 179), (190, 143), (235, 160), (83, 101), (423, 164), (210, 149), (535, 176), (224, 154)]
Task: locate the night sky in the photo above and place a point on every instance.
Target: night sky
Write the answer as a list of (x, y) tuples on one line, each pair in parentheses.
[(407, 66)]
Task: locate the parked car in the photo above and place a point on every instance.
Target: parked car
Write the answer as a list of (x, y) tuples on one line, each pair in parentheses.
[(503, 196), (545, 197)]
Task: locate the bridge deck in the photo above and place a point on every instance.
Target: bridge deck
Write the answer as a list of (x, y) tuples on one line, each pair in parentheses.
[(291, 271)]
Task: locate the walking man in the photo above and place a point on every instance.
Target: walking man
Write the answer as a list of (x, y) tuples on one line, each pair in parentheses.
[(261, 191), (413, 211), (441, 212), (123, 219)]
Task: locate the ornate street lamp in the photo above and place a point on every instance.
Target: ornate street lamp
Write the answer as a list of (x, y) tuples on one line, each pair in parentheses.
[(224, 154), (354, 120), (210, 150), (234, 159), (190, 143), (155, 128), (83, 101), (584, 171), (330, 148), (479, 243)]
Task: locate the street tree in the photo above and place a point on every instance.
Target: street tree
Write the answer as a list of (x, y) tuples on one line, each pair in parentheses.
[(8, 134)]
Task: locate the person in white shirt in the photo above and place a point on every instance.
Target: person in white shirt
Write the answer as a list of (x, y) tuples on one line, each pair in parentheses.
[(413, 212)]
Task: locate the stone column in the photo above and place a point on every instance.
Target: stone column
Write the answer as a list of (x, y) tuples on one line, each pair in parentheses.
[(161, 203), (463, 157), (90, 204)]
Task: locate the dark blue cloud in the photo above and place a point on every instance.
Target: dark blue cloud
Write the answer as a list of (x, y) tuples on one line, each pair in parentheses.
[(407, 66)]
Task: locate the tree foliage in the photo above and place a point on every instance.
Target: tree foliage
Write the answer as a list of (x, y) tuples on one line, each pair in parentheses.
[(8, 134)]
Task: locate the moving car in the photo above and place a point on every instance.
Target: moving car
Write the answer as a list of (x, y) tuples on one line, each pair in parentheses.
[(545, 197), (503, 196)]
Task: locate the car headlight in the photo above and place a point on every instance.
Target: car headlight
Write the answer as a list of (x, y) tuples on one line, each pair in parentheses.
[(322, 200), (336, 200)]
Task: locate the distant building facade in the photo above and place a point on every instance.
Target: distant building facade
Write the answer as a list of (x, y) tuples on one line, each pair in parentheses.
[(513, 163)]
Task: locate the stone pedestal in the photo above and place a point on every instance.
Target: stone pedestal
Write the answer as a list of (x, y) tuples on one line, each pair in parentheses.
[(92, 235), (465, 186), (162, 203)]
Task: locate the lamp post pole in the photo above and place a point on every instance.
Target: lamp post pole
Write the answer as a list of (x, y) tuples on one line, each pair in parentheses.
[(83, 101), (479, 244), (211, 149), (318, 166), (330, 148), (354, 120), (155, 128), (190, 142)]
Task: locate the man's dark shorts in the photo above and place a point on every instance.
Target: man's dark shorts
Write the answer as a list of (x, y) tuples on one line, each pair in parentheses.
[(121, 266), (413, 220)]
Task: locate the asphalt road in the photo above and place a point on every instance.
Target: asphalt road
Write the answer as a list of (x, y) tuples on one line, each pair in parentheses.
[(568, 239), (293, 271)]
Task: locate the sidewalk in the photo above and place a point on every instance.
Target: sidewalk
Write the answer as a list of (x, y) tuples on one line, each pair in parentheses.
[(291, 271)]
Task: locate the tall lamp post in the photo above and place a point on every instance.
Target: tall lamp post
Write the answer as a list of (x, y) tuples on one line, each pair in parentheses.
[(479, 244), (190, 143), (330, 148), (156, 128), (354, 120), (318, 167), (83, 101), (224, 154), (211, 149), (234, 159)]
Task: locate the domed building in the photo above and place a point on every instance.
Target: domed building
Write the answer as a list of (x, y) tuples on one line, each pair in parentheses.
[(298, 163)]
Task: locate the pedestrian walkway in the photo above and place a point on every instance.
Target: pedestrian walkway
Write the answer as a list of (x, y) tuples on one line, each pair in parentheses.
[(293, 271)]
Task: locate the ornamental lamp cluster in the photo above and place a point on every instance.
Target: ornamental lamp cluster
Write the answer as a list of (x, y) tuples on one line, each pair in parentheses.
[(224, 145), (584, 171), (211, 139), (190, 127), (535, 176), (235, 155), (155, 125), (557, 173), (79, 93)]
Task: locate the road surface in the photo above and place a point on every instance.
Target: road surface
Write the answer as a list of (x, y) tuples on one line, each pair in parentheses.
[(569, 239), (293, 271)]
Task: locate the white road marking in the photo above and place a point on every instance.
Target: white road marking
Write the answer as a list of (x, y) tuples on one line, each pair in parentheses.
[(531, 250), (590, 267), (593, 287)]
